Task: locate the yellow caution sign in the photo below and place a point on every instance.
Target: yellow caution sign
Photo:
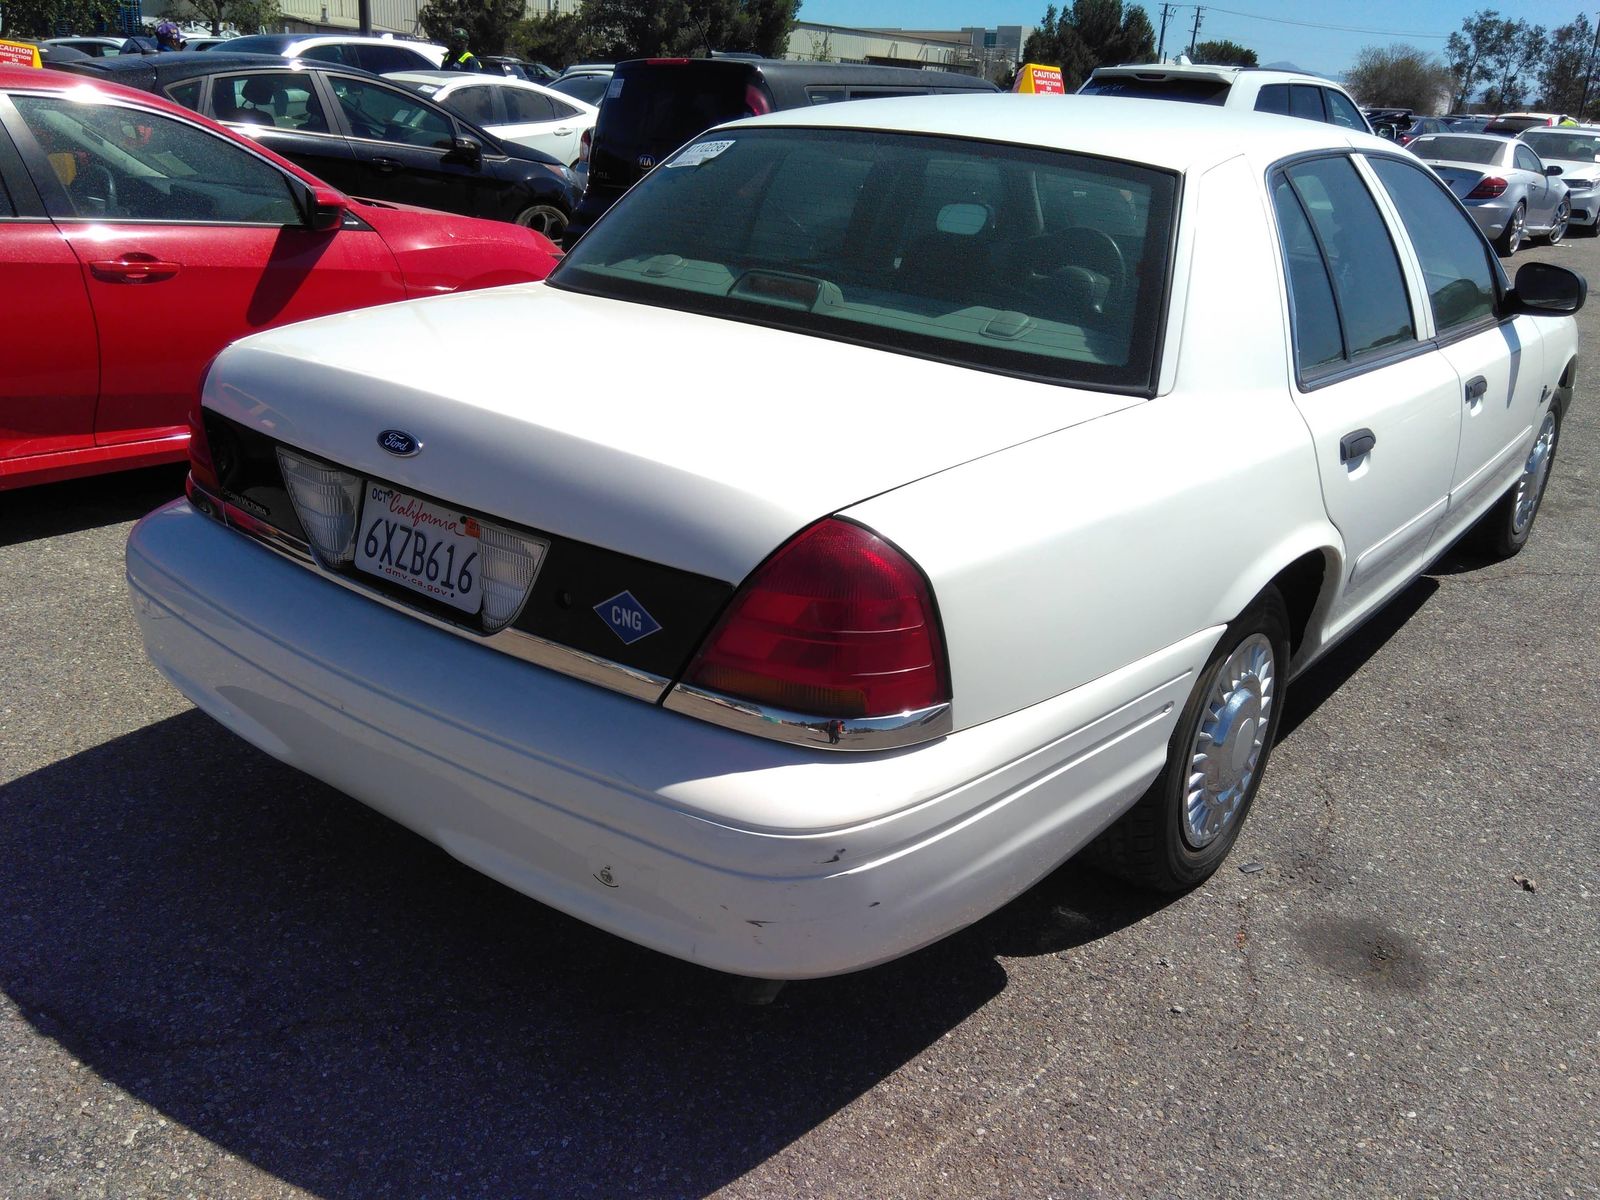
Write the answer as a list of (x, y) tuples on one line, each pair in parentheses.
[(19, 54), (1037, 79)]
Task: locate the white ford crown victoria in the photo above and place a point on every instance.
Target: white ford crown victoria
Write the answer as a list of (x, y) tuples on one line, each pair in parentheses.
[(922, 507)]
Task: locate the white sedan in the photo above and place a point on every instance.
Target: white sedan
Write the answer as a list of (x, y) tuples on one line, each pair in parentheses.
[(514, 109), (920, 509)]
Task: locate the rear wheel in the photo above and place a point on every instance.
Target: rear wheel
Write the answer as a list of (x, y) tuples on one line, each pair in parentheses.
[(1183, 827), (1505, 528), (544, 218), (1511, 236)]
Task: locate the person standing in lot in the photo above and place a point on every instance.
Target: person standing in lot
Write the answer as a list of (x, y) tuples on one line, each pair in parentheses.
[(456, 55)]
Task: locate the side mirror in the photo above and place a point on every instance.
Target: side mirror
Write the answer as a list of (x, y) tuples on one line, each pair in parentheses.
[(325, 209), (467, 150), (1545, 289), (1552, 170), (1386, 131)]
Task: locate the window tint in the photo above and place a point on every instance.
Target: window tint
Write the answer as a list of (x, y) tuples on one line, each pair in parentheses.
[(1342, 112), (1470, 149), (919, 244), (1455, 261), (1274, 98), (565, 112), (379, 59), (186, 94), (1527, 160), (1558, 143), (528, 106), (332, 53), (1314, 316), (7, 209), (1193, 91), (476, 104), (1358, 254), (385, 114), (282, 100), (825, 95), (1306, 102), (127, 164)]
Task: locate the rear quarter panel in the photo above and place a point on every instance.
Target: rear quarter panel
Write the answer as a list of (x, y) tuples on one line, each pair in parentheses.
[(1073, 555)]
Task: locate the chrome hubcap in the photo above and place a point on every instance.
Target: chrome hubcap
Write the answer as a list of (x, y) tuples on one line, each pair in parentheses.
[(1530, 487), (1515, 239), (1227, 747), (1559, 229)]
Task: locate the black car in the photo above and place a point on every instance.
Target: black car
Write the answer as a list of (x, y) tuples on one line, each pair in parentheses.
[(362, 134), (586, 81), (654, 105)]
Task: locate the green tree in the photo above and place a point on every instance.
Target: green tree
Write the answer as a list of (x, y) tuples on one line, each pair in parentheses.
[(1516, 58), (488, 23), (1566, 68), (617, 29), (1473, 53), (1400, 77), (555, 39), (1092, 33), (247, 16), (56, 18), (1224, 54)]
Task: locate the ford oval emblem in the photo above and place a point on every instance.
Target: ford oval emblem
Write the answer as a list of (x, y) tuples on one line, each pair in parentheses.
[(399, 443), (646, 161)]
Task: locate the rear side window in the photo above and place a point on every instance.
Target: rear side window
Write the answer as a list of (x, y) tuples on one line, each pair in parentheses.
[(1314, 315), (1306, 102), (331, 53), (476, 104), (1527, 160), (1358, 258), (186, 94), (526, 107), (1455, 259), (1274, 98)]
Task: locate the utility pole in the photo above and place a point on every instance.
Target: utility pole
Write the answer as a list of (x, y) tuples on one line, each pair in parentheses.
[(1583, 100), (1161, 44), (1196, 33), (364, 11)]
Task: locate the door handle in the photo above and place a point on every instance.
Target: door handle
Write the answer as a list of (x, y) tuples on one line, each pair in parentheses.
[(1356, 445), (1476, 387), (562, 132), (134, 268), (386, 164)]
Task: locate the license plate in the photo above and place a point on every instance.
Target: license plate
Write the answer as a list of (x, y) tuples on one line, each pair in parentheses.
[(421, 545)]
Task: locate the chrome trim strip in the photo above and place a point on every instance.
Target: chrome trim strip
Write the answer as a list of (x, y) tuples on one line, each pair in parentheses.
[(860, 733), (529, 648)]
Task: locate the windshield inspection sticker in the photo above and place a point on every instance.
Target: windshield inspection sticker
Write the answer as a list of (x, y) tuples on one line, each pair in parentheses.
[(698, 153)]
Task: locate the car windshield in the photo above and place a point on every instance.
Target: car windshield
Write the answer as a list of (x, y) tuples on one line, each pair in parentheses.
[(1461, 149), (1196, 91), (1019, 260), (1558, 143)]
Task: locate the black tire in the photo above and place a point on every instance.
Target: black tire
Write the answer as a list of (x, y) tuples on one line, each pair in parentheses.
[(1511, 236), (544, 218), (1151, 844), (1503, 531)]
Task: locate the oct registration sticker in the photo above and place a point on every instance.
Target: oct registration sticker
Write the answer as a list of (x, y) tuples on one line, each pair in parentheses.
[(700, 152)]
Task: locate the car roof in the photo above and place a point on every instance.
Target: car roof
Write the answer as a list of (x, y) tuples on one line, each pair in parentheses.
[(1217, 72), (450, 81), (185, 64), (1158, 133)]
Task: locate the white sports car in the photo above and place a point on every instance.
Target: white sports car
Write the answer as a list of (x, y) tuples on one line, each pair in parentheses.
[(923, 507)]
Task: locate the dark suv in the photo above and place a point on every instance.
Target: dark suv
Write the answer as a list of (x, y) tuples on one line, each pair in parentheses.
[(655, 105)]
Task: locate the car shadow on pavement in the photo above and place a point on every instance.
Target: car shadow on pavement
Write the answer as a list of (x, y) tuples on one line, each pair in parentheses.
[(52, 509), (333, 999)]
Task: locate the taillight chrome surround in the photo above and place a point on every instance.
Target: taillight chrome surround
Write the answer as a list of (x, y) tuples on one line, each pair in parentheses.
[(839, 733)]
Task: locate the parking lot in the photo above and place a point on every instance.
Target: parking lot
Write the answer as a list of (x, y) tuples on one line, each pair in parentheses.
[(220, 978)]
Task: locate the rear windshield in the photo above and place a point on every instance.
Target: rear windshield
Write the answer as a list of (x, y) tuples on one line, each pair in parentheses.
[(259, 43), (657, 108), (1195, 91), (1006, 258), (1513, 124), (1559, 143), (1459, 149)]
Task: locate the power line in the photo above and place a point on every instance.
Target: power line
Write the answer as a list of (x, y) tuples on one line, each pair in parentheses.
[(1233, 12)]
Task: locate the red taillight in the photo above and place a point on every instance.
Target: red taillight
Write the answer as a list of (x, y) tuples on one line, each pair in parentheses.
[(756, 100), (838, 623), (201, 468), (1488, 188), (585, 143)]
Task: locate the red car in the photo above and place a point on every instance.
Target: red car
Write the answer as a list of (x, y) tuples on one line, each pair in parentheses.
[(137, 239)]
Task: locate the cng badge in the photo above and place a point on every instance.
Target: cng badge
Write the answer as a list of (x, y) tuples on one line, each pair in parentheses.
[(627, 618)]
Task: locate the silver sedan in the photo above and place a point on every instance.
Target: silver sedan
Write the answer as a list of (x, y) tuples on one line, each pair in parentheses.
[(1504, 184)]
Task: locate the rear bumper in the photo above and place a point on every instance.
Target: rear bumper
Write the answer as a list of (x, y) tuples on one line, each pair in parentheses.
[(739, 853)]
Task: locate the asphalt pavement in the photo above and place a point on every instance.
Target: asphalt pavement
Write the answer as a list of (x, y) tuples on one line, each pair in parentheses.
[(219, 978)]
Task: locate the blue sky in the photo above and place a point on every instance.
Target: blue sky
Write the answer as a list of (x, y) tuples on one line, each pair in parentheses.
[(1380, 22)]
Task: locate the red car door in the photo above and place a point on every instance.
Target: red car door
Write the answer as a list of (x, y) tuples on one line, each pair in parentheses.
[(51, 371), (186, 241)]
